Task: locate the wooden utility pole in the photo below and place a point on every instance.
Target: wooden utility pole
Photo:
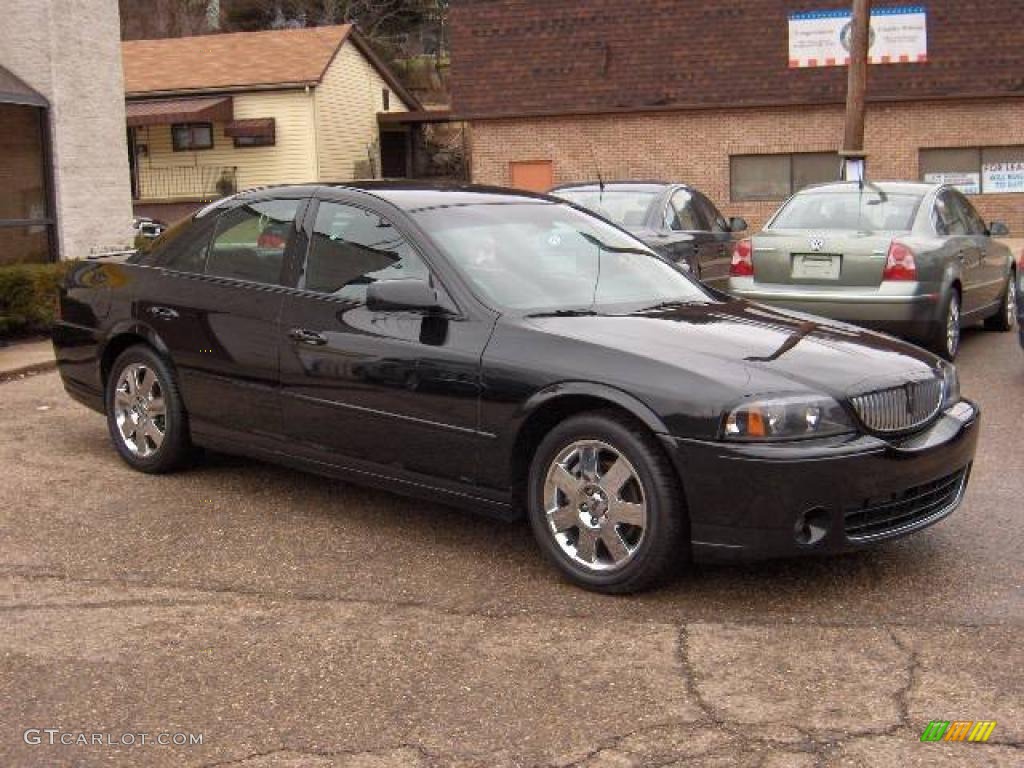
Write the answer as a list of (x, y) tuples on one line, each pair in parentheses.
[(857, 77)]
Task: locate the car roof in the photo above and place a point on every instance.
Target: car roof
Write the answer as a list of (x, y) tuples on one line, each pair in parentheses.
[(407, 195), (896, 187), (594, 186)]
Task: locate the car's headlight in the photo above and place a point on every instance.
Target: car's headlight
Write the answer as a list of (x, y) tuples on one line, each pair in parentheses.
[(786, 418), (950, 385)]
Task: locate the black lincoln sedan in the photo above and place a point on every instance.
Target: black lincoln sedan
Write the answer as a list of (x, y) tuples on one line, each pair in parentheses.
[(511, 353), (675, 220)]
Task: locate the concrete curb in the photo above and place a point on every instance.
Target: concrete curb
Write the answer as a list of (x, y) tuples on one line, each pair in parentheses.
[(27, 370)]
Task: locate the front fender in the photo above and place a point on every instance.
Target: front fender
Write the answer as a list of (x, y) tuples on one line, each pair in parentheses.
[(614, 396)]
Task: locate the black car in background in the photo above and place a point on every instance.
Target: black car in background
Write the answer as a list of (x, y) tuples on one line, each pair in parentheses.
[(509, 352), (676, 220)]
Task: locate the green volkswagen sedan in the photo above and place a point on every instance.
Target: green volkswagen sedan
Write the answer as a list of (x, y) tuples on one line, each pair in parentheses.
[(914, 260)]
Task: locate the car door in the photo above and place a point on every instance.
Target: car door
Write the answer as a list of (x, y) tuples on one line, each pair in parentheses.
[(215, 301), (951, 222), (715, 267), (395, 389), (992, 260), (685, 215)]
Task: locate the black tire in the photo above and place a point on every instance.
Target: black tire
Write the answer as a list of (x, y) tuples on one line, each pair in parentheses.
[(939, 341), (1006, 317), (664, 543), (141, 452)]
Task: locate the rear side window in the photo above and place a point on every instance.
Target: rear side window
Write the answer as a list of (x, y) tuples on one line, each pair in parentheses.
[(251, 240), (353, 247), (948, 216), (683, 214)]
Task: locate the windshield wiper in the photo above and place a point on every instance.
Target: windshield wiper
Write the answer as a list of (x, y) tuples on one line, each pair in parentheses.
[(565, 313), (612, 248), (673, 304)]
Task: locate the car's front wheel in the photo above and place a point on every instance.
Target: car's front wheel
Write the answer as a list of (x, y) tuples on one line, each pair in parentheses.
[(605, 504), (1006, 317), (145, 414)]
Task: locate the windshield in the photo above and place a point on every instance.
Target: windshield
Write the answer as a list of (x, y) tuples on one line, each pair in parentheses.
[(626, 207), (543, 257), (855, 210)]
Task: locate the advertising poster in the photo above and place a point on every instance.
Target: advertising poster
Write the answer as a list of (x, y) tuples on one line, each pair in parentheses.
[(899, 35)]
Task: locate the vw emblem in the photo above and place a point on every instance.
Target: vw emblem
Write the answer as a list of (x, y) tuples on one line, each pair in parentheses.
[(817, 244)]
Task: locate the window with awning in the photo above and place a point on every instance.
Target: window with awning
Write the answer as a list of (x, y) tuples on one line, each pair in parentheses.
[(201, 109), (252, 132)]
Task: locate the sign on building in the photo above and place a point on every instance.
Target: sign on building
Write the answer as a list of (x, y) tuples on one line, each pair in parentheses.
[(822, 38), (966, 182), (1003, 177)]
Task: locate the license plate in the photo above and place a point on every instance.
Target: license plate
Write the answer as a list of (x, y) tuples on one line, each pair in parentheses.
[(817, 266)]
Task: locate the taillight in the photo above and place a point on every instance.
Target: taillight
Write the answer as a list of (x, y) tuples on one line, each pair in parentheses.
[(742, 259), (900, 264)]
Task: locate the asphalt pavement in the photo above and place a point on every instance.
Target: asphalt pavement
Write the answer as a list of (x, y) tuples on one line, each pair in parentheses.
[(291, 620)]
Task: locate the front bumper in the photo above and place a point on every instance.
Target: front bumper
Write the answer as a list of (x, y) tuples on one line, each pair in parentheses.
[(756, 501), (900, 308)]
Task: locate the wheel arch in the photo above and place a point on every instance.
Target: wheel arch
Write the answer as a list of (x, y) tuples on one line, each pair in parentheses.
[(552, 405), (121, 338)]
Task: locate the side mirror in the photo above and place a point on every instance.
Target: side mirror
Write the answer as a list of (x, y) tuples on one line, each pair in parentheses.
[(405, 295), (998, 229), (737, 224)]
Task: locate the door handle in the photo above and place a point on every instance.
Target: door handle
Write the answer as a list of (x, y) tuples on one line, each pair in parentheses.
[(164, 313), (304, 336)]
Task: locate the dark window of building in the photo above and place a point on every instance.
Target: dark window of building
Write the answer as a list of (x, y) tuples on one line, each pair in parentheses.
[(267, 140), (975, 170), (191, 136), (776, 177), (385, 99), (26, 223), (251, 240), (253, 132)]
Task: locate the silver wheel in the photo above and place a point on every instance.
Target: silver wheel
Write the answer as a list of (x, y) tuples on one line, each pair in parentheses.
[(140, 410), (595, 505), (1011, 302), (953, 325)]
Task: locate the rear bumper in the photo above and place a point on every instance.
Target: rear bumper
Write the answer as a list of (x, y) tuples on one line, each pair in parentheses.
[(749, 502), (902, 309)]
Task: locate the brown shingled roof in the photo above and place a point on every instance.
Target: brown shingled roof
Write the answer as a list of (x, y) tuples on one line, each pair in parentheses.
[(235, 60)]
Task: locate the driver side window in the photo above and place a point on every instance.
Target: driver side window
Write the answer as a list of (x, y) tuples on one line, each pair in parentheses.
[(353, 247)]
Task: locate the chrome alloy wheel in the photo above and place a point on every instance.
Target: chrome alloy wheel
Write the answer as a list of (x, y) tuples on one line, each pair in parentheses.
[(140, 410), (1011, 302), (953, 325), (595, 505)]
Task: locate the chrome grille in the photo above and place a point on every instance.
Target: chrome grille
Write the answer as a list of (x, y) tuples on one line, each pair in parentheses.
[(907, 509), (899, 409)]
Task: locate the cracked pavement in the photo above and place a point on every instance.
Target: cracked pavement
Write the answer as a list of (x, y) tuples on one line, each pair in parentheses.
[(297, 621)]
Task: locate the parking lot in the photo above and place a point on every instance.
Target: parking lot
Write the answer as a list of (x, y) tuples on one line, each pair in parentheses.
[(298, 621)]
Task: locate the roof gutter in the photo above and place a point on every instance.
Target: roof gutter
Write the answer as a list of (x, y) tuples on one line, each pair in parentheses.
[(219, 90)]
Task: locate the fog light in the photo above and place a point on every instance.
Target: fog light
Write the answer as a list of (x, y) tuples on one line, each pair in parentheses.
[(811, 526)]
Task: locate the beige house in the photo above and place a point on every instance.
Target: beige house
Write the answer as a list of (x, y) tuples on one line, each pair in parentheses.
[(213, 114)]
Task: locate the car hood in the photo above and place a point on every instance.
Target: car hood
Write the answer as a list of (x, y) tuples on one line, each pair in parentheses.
[(758, 349)]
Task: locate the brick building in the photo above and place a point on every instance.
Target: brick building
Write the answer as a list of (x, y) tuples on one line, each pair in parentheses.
[(707, 94), (64, 187)]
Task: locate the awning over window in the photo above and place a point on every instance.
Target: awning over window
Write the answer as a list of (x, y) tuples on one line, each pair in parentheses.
[(208, 109), (259, 127)]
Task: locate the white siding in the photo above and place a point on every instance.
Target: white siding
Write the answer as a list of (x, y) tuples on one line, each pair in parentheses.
[(347, 102)]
